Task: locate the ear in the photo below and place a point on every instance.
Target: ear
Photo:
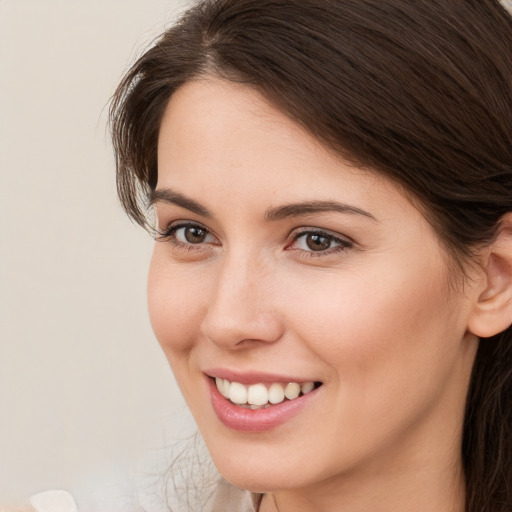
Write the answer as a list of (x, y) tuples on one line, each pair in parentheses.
[(492, 312)]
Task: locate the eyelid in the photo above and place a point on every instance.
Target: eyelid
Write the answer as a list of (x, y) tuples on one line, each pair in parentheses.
[(173, 226), (343, 242), (176, 224), (296, 233)]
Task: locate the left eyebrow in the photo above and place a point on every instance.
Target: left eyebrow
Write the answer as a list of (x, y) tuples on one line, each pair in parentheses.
[(305, 208)]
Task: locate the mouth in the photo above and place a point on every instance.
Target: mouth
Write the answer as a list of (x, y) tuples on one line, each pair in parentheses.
[(260, 404), (258, 396)]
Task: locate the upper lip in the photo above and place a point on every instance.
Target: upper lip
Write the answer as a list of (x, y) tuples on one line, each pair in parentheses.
[(252, 377)]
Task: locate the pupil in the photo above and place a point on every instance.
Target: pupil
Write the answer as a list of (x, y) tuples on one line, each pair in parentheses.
[(195, 235), (317, 242)]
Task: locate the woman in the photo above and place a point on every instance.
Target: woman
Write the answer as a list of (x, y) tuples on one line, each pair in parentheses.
[(332, 274)]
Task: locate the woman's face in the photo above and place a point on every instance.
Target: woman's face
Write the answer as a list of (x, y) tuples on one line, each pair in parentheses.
[(282, 264)]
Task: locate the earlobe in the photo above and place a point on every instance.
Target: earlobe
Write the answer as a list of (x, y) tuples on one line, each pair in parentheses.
[(492, 312)]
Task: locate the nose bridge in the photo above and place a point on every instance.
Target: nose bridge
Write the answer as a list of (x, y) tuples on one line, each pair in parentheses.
[(241, 306)]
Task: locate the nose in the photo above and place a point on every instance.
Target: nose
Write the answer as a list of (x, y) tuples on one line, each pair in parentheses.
[(242, 309)]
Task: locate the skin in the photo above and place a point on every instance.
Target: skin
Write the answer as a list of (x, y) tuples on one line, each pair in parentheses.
[(376, 317)]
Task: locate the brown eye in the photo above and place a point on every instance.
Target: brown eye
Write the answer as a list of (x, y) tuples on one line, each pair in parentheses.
[(194, 234), (318, 242), (189, 234)]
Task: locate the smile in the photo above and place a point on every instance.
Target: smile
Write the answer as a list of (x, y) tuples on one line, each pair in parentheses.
[(259, 406), (261, 395)]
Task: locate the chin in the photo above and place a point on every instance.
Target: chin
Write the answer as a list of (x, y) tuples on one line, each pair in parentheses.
[(258, 481), (258, 474)]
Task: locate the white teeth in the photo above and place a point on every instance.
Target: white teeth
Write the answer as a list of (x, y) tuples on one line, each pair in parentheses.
[(276, 394), (259, 395), (292, 390), (307, 387), (237, 393), (223, 387)]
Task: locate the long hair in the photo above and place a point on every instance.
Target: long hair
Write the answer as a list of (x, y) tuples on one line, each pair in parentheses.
[(418, 90)]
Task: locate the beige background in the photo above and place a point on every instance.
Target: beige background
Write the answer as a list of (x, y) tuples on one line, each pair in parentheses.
[(84, 390), (85, 393)]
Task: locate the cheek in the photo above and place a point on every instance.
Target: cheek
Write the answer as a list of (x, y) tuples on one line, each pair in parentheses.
[(175, 305), (379, 327), (390, 342)]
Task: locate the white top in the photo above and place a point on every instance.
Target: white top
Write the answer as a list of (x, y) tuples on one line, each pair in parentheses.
[(226, 499), (53, 501)]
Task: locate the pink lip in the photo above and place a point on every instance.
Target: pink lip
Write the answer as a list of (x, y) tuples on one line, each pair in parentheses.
[(255, 420), (249, 378)]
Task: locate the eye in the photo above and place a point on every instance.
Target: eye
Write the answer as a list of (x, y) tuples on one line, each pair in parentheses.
[(314, 242), (192, 234), (187, 234), (319, 242)]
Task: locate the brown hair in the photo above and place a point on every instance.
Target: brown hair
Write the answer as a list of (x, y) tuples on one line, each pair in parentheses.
[(419, 90)]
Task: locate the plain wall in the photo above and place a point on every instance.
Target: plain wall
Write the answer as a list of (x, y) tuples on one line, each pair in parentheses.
[(84, 389), (85, 392)]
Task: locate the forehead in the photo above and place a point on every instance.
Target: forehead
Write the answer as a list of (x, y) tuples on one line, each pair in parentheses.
[(216, 115), (218, 129)]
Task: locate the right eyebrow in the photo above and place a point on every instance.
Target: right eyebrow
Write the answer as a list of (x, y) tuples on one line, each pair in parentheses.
[(167, 195)]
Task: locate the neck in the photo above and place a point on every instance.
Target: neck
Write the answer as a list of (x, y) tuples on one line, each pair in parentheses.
[(370, 498), (374, 497), (430, 482)]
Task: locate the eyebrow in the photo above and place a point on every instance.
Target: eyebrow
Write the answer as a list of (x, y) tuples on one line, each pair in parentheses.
[(307, 207), (168, 195)]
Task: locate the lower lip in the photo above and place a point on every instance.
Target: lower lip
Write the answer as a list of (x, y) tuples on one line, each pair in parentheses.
[(255, 420)]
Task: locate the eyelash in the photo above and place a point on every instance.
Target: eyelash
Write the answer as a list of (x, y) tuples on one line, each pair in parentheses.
[(342, 243), (168, 235)]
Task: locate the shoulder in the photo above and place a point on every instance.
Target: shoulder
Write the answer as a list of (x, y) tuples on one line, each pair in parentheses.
[(48, 501), (53, 501)]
